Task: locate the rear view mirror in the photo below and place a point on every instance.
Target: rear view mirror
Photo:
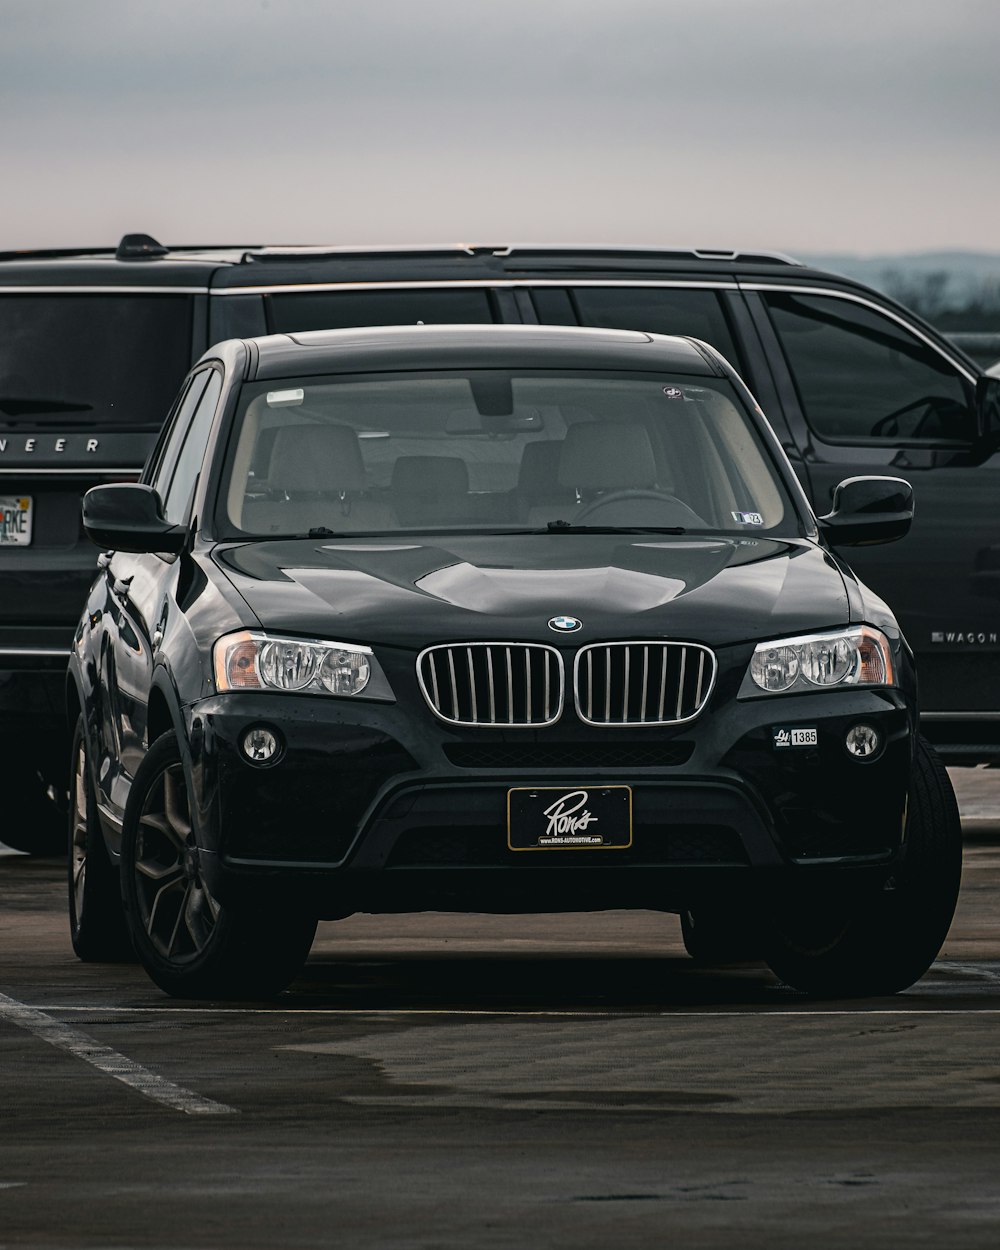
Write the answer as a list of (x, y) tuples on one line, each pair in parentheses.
[(126, 516), (868, 510)]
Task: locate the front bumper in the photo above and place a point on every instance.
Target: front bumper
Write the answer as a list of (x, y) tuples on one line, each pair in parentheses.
[(373, 807)]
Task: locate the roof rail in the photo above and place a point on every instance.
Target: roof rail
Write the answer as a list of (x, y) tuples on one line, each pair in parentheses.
[(589, 251), (727, 255), (26, 253)]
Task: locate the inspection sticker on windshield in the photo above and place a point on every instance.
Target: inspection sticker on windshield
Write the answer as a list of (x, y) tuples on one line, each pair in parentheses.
[(748, 518), (785, 736), (15, 520)]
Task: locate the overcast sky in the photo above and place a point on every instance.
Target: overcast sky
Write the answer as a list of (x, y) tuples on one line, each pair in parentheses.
[(801, 125)]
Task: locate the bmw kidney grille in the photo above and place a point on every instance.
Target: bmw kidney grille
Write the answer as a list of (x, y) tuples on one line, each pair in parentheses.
[(522, 684)]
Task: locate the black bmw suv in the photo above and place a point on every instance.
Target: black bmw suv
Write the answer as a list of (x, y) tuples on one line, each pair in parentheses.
[(93, 345), (494, 618)]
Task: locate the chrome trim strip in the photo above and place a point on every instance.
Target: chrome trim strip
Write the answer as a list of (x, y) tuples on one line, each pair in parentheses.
[(288, 288), (788, 288), (104, 290), (583, 657), (454, 685), (680, 683), (56, 653), (97, 467), (472, 683)]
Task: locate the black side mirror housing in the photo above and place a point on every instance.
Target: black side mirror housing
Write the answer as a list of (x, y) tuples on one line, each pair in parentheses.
[(988, 409), (868, 510), (126, 516)]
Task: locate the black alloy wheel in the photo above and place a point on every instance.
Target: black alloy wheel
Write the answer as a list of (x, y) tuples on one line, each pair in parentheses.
[(886, 940), (96, 921), (191, 944)]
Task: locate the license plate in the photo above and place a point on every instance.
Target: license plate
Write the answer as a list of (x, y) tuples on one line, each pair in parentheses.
[(15, 520), (569, 818)]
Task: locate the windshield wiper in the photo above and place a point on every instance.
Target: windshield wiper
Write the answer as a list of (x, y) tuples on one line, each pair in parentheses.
[(567, 527)]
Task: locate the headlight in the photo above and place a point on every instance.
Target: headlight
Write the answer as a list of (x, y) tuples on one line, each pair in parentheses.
[(859, 656), (257, 661)]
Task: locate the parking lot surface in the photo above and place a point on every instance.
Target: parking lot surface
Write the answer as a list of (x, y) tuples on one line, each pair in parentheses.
[(437, 1081)]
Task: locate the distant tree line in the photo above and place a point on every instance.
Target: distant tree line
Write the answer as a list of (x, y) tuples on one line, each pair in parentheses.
[(936, 297)]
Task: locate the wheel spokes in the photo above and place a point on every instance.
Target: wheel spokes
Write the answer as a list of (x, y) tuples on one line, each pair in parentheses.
[(177, 910), (78, 866), (200, 914)]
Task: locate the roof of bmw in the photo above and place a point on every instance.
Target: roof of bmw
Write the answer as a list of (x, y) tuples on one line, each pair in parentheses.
[(477, 346)]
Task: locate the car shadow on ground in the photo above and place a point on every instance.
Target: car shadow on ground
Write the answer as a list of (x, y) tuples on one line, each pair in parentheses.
[(527, 983)]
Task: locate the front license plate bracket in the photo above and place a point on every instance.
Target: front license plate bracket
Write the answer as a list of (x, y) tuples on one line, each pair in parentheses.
[(569, 818)]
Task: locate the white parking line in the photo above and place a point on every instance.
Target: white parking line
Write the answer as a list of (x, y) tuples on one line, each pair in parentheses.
[(109, 1061)]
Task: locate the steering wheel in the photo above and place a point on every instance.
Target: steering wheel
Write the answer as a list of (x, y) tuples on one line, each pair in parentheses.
[(936, 406), (619, 496)]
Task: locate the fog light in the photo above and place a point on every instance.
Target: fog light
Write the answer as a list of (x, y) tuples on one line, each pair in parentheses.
[(260, 745), (863, 742)]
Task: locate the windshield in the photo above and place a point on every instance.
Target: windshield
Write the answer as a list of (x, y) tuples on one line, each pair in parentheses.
[(496, 451)]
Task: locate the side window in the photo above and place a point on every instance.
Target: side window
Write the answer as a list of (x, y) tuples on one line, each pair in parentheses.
[(861, 376), (165, 454), (178, 494), (660, 310), (338, 310)]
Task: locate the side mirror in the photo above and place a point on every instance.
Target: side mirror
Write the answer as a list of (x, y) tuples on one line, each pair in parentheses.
[(868, 510), (988, 409), (125, 516)]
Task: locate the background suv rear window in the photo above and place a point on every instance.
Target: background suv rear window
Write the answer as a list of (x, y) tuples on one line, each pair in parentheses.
[(339, 310), (92, 360)]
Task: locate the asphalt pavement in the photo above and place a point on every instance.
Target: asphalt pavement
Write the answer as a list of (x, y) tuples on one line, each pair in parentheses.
[(440, 1081), (435, 1081)]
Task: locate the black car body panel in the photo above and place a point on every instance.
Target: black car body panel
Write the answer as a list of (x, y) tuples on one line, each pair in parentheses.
[(940, 580), (431, 593), (381, 804)]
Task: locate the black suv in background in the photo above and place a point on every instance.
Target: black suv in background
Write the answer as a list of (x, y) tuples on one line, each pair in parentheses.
[(93, 346)]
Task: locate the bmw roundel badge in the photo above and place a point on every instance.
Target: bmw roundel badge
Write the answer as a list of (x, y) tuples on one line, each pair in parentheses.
[(565, 624)]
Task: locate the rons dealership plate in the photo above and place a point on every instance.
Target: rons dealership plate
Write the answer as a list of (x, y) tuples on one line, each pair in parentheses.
[(569, 818)]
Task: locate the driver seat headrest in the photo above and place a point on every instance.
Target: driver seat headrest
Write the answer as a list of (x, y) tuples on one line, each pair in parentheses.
[(312, 458), (607, 456)]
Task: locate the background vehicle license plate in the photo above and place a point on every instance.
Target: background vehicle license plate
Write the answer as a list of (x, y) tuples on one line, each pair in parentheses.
[(15, 520), (569, 818)]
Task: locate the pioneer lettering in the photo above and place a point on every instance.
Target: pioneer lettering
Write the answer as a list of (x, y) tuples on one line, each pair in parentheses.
[(58, 445)]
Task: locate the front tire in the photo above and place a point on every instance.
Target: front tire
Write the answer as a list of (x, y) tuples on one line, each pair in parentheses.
[(191, 944), (885, 941), (96, 921)]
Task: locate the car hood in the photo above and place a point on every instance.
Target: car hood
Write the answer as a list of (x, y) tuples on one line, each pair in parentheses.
[(477, 588)]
